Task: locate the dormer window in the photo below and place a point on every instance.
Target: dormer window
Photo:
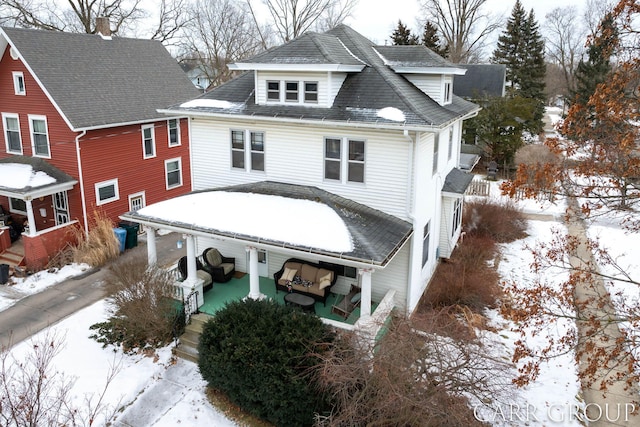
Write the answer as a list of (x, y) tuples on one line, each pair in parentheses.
[(291, 94), (311, 92), (18, 83), (273, 91), (447, 93)]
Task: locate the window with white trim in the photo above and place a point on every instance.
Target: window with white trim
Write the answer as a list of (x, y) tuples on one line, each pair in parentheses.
[(39, 136), (291, 92), (436, 147), (447, 93), (273, 91), (450, 142), (173, 130), (426, 234), (173, 172), (12, 136), (247, 150), (148, 141), (311, 92), (18, 206), (457, 216), (107, 191), (344, 157), (18, 83)]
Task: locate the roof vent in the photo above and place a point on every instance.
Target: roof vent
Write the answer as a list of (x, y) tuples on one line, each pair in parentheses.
[(103, 28)]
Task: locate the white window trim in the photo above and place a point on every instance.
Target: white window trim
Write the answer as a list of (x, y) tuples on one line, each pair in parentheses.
[(16, 87), (179, 140), (107, 183), (14, 210), (273, 101), (248, 150), (33, 141), (297, 92), (153, 141), (344, 160), (426, 241), (166, 173), (6, 137), (282, 92), (304, 92)]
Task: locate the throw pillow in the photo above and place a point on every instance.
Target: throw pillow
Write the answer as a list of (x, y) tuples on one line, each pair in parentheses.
[(288, 274), (324, 282), (325, 277)]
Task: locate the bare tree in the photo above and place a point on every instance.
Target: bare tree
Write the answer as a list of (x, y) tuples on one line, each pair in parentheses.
[(292, 18), (565, 39), (594, 11), (464, 25), (218, 34), (78, 16)]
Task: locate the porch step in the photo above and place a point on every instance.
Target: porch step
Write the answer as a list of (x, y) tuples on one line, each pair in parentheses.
[(12, 259), (188, 348)]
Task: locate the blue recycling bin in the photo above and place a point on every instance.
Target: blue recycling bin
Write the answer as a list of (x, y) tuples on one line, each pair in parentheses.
[(121, 235)]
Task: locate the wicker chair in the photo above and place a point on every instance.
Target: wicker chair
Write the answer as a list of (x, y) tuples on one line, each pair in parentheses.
[(202, 274), (220, 267)]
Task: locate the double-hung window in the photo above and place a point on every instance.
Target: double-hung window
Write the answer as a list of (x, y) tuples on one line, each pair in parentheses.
[(450, 142), (344, 157), (291, 92), (426, 233), (247, 150), (173, 171), (107, 191), (311, 92), (273, 91), (457, 216), (12, 133), (173, 130), (436, 147), (18, 83), (148, 141), (39, 136)]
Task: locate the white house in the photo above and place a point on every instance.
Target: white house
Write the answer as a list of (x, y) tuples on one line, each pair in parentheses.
[(371, 131)]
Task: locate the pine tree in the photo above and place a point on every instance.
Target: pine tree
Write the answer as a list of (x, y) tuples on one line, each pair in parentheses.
[(510, 50), (431, 40), (402, 36)]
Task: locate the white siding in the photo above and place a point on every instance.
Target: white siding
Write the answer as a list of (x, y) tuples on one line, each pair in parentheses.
[(432, 85), (335, 83), (325, 91), (295, 154)]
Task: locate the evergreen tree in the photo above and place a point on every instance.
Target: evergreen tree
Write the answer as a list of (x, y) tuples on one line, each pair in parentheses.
[(431, 40), (521, 49), (402, 36), (593, 71)]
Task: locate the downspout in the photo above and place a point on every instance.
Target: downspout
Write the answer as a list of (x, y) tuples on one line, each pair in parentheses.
[(81, 179), (411, 205)]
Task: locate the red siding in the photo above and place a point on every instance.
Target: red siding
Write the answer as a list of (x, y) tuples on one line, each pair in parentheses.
[(38, 250)]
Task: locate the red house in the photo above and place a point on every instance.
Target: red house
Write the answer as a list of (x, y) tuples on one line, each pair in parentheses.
[(81, 132)]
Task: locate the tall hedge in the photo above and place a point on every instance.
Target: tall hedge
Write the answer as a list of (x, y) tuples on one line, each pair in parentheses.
[(259, 353)]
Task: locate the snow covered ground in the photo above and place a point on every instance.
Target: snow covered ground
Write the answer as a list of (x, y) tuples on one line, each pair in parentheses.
[(161, 392)]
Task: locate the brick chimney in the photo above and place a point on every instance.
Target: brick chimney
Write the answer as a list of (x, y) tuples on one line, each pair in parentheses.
[(102, 26)]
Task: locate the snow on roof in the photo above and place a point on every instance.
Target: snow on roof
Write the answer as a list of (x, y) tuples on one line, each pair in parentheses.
[(19, 176), (209, 103), (391, 113), (295, 221)]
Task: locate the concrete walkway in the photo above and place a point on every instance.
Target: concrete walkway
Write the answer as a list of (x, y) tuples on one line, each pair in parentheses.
[(614, 405), (36, 312)]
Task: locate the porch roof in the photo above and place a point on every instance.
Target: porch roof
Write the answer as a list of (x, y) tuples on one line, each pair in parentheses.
[(457, 181), (374, 236), (25, 177)]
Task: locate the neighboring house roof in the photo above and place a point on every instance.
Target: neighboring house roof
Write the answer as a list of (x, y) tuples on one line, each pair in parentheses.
[(376, 236), (457, 181), (480, 81), (96, 81), (404, 58), (31, 176), (361, 97)]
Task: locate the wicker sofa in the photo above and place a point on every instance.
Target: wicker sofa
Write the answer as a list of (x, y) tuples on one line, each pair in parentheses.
[(306, 278)]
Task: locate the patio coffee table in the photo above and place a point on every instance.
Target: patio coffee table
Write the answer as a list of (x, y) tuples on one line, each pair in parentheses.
[(304, 302)]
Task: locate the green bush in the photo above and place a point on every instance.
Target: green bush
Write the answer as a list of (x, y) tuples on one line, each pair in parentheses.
[(260, 354)]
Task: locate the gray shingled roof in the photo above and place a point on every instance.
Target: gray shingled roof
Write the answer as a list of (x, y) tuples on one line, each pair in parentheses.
[(457, 181), (413, 56), (377, 236), (362, 94), (98, 82), (38, 165), (480, 81)]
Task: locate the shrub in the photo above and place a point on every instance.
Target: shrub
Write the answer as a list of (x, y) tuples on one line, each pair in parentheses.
[(100, 245), (502, 223), (144, 314), (259, 354)]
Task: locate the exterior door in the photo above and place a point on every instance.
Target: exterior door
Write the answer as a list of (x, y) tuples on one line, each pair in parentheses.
[(136, 201), (61, 207)]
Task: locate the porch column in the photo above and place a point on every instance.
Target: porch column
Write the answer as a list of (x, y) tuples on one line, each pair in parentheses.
[(254, 276), (152, 252), (192, 275), (365, 292), (30, 218)]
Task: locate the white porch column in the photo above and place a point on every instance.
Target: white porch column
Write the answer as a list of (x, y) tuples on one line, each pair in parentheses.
[(152, 251), (31, 219), (254, 276), (365, 292), (192, 275)]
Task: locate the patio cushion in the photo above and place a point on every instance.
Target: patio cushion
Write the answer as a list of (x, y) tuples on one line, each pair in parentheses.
[(288, 274), (214, 258), (227, 267), (308, 273)]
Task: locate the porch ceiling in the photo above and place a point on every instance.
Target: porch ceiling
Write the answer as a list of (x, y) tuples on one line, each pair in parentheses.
[(24, 177), (375, 236)]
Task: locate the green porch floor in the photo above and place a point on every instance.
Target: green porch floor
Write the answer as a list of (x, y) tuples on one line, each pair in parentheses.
[(236, 289)]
